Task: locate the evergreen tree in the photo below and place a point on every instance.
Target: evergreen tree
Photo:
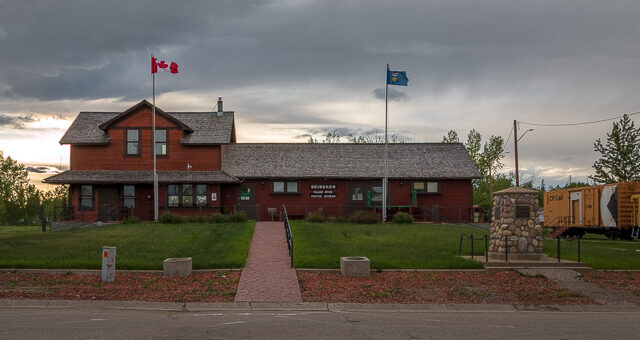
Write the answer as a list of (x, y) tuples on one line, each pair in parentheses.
[(620, 156)]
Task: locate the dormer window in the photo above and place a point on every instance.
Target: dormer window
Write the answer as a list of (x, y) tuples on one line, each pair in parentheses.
[(161, 142), (132, 142)]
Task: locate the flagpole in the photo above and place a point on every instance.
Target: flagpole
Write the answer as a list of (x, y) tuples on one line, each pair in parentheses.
[(386, 124), (153, 146)]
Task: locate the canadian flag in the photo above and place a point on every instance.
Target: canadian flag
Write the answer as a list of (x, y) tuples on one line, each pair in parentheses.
[(173, 67)]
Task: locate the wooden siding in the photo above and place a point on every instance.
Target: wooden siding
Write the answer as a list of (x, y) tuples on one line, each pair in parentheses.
[(112, 156)]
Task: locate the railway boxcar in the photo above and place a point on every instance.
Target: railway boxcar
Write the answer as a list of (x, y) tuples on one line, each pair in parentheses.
[(610, 209)]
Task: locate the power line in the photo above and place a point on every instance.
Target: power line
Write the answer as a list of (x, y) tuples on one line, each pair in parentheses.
[(582, 123), (508, 138)]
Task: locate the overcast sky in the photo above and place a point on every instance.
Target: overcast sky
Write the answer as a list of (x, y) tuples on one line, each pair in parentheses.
[(290, 69)]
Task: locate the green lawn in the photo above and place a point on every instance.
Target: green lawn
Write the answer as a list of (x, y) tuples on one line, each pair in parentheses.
[(320, 245), (598, 252), (139, 246)]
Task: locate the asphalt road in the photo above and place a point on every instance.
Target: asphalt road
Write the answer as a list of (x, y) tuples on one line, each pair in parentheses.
[(94, 323)]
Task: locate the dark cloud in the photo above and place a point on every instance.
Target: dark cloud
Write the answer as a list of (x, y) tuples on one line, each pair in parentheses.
[(394, 94), (16, 122)]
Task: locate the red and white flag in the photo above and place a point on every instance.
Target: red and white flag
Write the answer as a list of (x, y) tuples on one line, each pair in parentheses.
[(155, 64)]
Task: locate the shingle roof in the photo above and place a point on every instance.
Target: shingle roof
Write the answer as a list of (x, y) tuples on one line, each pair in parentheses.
[(85, 129), (405, 160), (207, 127), (138, 177)]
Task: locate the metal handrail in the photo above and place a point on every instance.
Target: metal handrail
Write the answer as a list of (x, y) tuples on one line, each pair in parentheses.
[(471, 239), (287, 228)]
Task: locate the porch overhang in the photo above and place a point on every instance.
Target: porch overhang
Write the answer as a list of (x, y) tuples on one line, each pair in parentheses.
[(138, 177)]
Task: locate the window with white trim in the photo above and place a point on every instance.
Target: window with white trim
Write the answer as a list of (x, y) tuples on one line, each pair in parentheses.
[(285, 187)]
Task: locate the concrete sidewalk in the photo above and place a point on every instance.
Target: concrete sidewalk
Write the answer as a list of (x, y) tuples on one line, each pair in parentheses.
[(268, 276), (307, 306)]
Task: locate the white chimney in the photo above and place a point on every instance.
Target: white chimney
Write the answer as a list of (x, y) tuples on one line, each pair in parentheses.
[(220, 111)]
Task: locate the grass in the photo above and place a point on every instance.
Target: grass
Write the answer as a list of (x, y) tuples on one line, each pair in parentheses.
[(598, 252), (138, 246), (319, 245)]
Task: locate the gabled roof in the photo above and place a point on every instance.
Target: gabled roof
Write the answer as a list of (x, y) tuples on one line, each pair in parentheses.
[(138, 177), (309, 160), (201, 128), (105, 126)]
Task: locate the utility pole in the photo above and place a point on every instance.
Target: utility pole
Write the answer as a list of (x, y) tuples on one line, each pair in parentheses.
[(515, 146)]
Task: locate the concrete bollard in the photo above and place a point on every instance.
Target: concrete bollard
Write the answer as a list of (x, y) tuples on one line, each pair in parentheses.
[(108, 264), (179, 266), (355, 266)]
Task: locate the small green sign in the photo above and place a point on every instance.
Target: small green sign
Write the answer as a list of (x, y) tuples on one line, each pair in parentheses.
[(414, 198)]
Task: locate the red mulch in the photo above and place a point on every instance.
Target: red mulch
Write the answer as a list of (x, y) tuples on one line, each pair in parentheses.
[(437, 288), (386, 287), (620, 281), (205, 287)]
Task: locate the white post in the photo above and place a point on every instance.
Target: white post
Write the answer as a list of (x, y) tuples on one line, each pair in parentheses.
[(153, 146)]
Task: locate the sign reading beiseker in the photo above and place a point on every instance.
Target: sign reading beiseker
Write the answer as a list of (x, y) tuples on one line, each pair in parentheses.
[(323, 190)]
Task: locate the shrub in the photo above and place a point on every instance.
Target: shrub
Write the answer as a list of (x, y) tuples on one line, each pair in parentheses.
[(198, 219), (170, 218), (237, 216), (340, 219), (131, 220), (402, 218), (364, 217), (316, 217), (218, 218)]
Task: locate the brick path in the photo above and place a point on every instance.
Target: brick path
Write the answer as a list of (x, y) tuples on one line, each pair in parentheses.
[(268, 276)]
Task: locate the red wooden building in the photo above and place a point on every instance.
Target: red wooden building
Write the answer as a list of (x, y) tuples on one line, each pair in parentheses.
[(202, 170)]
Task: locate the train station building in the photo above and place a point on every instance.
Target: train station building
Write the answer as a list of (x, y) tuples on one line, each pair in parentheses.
[(203, 170)]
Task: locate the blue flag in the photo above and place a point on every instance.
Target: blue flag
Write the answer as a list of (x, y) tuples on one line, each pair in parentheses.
[(397, 78)]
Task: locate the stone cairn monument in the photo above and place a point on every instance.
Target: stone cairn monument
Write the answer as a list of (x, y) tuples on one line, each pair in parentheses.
[(516, 225)]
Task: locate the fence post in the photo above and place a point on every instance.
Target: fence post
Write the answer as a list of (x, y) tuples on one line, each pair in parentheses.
[(558, 248), (486, 248), (579, 237), (460, 249), (472, 246)]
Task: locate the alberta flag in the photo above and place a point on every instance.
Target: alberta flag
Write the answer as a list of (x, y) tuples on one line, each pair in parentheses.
[(397, 78)]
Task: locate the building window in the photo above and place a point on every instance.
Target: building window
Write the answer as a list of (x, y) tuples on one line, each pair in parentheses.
[(187, 195), (201, 194), (173, 198), (426, 187), (285, 187), (376, 194), (161, 142), (86, 197), (357, 194), (133, 142), (184, 195), (129, 194)]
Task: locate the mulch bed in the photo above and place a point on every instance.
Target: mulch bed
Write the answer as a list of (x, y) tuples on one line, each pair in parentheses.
[(386, 287), (205, 287), (621, 281), (437, 288)]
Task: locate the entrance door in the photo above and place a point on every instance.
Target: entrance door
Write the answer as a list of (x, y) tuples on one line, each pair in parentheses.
[(107, 203), (576, 208), (246, 200)]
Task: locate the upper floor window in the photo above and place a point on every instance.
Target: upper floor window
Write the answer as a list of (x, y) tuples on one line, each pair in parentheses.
[(86, 197), (426, 187), (132, 142), (161, 142), (285, 187)]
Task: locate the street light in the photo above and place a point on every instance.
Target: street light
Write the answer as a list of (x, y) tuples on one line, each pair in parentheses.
[(515, 146)]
